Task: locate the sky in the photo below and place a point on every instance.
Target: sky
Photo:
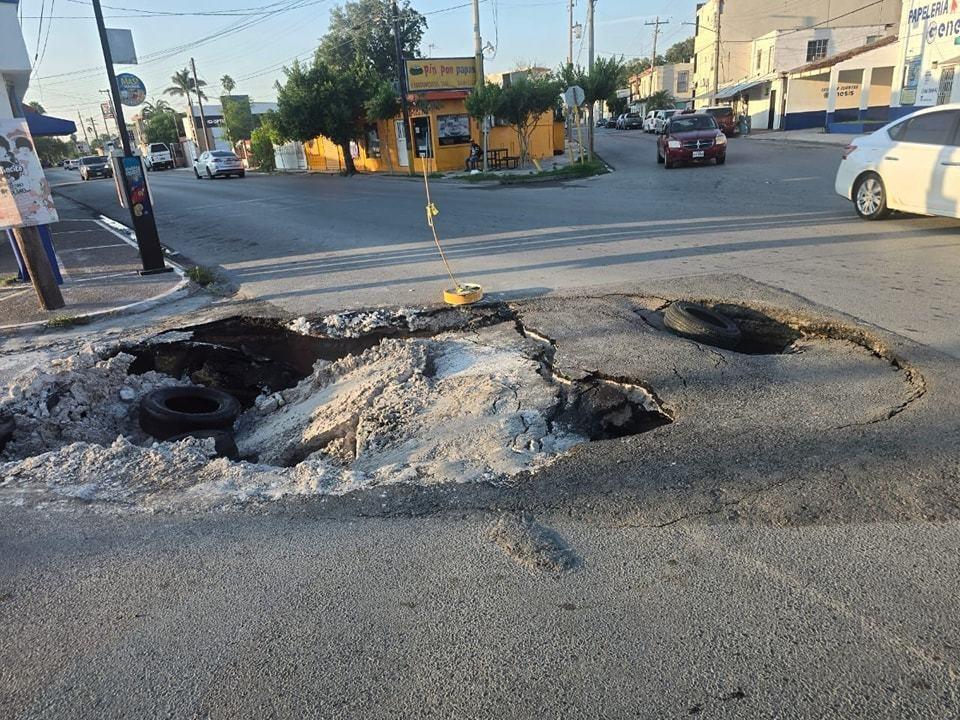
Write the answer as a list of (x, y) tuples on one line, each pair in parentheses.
[(252, 47)]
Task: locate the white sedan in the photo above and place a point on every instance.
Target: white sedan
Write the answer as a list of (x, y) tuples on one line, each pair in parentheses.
[(218, 162), (912, 164)]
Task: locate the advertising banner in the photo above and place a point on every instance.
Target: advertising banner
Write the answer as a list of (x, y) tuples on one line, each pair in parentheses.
[(132, 90), (441, 74), (25, 197)]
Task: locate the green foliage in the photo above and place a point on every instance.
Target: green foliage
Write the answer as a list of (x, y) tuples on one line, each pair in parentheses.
[(237, 117), (183, 85), (661, 100), (484, 100), (65, 321), (636, 66), (616, 105), (202, 276), (606, 77), (52, 150), (522, 102), (155, 106), (162, 127), (228, 84), (680, 52), (36, 107), (324, 100), (261, 149), (361, 31), (8, 280), (383, 103)]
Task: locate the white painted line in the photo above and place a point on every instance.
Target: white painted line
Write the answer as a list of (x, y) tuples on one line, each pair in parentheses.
[(125, 273), (91, 247), (801, 179), (6, 296)]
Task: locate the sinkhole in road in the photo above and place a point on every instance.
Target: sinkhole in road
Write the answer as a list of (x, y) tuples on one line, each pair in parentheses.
[(327, 408)]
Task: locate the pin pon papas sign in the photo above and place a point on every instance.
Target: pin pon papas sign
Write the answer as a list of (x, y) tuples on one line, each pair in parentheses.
[(441, 74)]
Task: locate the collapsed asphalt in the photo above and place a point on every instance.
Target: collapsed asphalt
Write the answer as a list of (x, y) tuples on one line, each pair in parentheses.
[(779, 549)]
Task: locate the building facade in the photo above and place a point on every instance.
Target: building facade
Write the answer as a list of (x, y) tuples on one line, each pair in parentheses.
[(675, 78), (215, 131), (928, 63), (724, 51), (14, 62)]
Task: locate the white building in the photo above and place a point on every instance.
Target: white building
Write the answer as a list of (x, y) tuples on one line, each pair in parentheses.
[(14, 61), (726, 30), (213, 114), (761, 94), (929, 55), (675, 78)]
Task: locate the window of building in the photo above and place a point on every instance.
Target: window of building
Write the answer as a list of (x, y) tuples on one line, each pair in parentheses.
[(683, 81), (373, 141), (759, 59), (945, 91), (816, 50), (453, 129), (934, 128)]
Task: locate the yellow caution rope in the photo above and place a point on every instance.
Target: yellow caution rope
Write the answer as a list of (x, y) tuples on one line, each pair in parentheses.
[(431, 213)]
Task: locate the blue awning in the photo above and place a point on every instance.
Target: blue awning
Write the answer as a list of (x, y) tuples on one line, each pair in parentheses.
[(45, 125)]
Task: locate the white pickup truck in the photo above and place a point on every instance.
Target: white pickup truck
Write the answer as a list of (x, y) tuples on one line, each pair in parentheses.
[(156, 156)]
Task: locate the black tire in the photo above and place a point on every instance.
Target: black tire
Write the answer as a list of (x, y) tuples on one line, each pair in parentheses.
[(667, 164), (242, 173), (196, 173), (659, 156), (223, 441), (870, 197), (702, 324), (209, 174), (721, 159), (173, 411)]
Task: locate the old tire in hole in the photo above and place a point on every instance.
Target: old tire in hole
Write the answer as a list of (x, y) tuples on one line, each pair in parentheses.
[(170, 411), (223, 441), (700, 323)]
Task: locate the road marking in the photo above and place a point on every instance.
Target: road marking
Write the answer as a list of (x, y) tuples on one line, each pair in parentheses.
[(801, 179), (91, 247), (6, 296)]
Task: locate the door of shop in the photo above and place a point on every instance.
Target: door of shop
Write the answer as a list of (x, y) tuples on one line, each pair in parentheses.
[(403, 157)]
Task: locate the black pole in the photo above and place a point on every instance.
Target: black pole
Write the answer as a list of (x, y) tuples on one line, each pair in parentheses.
[(402, 82), (130, 170)]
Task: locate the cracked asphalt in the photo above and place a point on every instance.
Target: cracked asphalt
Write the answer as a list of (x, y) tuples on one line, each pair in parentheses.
[(787, 547)]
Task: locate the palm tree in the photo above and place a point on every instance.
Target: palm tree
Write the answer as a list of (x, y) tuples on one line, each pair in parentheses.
[(183, 85), (661, 100), (228, 84), (152, 108)]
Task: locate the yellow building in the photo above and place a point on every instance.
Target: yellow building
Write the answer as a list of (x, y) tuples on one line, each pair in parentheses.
[(442, 131)]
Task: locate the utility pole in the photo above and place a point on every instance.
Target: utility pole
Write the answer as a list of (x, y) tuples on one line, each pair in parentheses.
[(83, 127), (716, 54), (141, 213), (402, 86), (96, 131), (570, 29), (656, 31), (590, 4), (203, 120), (477, 42)]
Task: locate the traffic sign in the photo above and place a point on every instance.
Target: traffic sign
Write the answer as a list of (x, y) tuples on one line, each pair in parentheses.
[(574, 96)]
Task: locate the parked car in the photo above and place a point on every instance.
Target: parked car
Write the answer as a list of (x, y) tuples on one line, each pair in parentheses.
[(663, 116), (72, 164), (92, 166), (694, 138), (611, 122), (632, 121), (911, 164), (157, 156), (725, 118), (650, 122), (218, 163)]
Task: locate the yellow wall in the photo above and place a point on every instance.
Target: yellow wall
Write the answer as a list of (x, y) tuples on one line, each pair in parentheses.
[(546, 140)]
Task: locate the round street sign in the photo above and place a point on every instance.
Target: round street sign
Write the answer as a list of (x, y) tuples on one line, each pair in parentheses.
[(574, 96), (132, 90)]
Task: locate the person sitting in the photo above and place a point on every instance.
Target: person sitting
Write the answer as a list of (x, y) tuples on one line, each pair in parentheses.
[(473, 159)]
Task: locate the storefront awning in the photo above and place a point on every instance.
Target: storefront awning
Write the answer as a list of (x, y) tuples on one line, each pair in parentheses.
[(47, 126), (732, 90)]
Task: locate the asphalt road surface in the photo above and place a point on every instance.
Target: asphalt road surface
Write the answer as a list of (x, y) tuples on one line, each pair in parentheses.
[(323, 243)]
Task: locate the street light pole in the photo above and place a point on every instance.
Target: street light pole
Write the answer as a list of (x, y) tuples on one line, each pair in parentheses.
[(590, 4), (402, 86), (203, 120), (141, 213)]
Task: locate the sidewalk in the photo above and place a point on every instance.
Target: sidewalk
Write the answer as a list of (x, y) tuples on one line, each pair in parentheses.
[(815, 136), (99, 264)]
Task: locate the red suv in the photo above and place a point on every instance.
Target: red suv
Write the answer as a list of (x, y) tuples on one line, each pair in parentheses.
[(691, 138), (723, 114)]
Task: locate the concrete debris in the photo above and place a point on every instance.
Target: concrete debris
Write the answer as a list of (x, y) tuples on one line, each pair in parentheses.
[(355, 324), (531, 544)]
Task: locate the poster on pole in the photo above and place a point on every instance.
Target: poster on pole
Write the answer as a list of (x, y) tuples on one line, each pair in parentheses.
[(25, 197), (132, 90), (121, 46)]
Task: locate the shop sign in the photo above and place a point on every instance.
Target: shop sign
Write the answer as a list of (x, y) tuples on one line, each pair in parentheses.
[(928, 88), (25, 198), (842, 91), (441, 74), (132, 90)]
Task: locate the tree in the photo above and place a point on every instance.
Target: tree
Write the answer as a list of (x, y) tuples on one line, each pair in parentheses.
[(522, 104), (52, 150), (162, 127), (661, 100), (156, 106), (680, 52), (362, 31), (324, 100), (616, 105), (36, 107), (227, 83), (237, 118), (635, 66), (262, 140), (482, 103), (383, 103), (183, 84), (600, 83)]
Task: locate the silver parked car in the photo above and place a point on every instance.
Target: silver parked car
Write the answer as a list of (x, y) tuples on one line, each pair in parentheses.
[(218, 162)]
